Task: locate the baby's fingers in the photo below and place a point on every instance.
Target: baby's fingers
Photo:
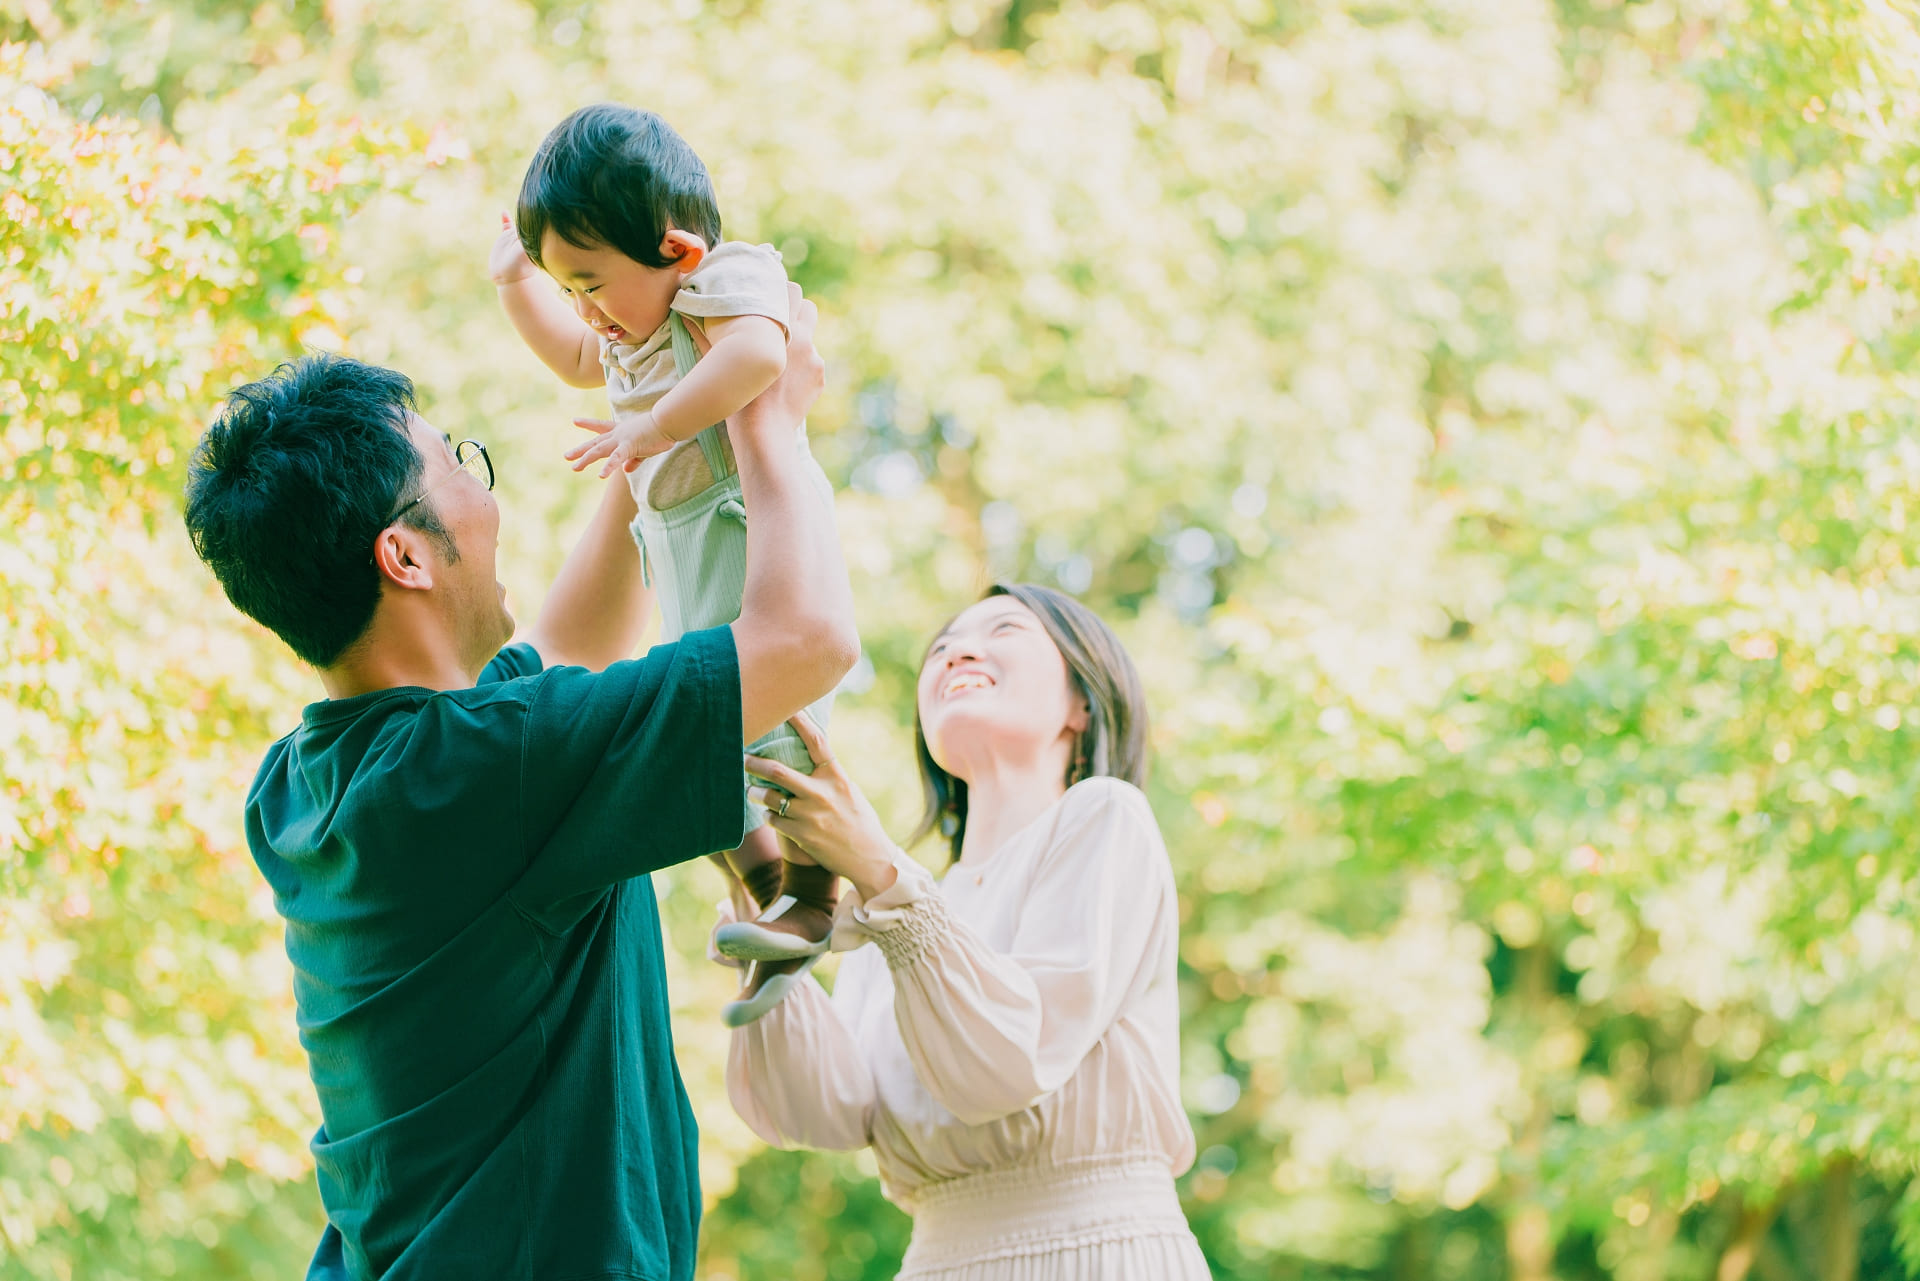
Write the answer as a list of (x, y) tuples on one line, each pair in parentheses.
[(591, 452), (599, 425), (619, 458), (588, 450)]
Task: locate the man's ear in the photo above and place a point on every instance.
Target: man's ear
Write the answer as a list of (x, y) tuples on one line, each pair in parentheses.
[(404, 557), (687, 250)]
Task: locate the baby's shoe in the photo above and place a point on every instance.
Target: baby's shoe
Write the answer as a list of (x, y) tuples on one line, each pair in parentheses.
[(796, 924), (768, 983)]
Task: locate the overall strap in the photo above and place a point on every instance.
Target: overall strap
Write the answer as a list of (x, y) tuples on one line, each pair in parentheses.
[(685, 355)]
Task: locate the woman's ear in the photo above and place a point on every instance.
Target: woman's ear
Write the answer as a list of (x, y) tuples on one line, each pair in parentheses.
[(687, 250), (1080, 717)]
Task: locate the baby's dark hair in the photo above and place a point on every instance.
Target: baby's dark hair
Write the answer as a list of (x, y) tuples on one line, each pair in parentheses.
[(614, 176)]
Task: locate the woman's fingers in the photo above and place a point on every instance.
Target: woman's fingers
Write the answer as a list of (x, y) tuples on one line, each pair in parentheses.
[(810, 735), (784, 775), (770, 801)]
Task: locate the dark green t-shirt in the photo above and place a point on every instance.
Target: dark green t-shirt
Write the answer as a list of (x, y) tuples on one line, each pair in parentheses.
[(477, 959)]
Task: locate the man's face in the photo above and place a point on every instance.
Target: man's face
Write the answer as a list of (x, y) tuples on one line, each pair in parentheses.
[(474, 598)]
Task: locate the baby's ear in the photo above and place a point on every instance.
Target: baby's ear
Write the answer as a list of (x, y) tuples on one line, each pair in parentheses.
[(686, 249)]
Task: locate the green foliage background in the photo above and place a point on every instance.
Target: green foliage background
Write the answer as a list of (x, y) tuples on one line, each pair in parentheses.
[(1488, 421)]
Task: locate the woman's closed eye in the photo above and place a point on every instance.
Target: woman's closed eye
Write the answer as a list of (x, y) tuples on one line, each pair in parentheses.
[(1000, 625)]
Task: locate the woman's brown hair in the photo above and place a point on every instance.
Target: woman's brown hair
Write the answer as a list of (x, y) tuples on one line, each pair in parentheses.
[(1113, 745)]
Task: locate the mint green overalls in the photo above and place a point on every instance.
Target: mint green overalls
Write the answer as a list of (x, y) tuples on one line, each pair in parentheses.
[(694, 556)]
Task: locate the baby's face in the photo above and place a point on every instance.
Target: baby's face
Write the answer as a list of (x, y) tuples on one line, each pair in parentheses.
[(624, 301)]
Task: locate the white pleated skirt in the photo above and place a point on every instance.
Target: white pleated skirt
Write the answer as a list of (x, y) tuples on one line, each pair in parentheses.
[(1112, 1219)]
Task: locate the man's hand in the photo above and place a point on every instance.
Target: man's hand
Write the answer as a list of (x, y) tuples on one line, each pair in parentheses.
[(785, 404), (508, 263), (625, 442)]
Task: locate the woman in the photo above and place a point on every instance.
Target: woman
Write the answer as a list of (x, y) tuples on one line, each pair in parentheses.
[(1010, 1048)]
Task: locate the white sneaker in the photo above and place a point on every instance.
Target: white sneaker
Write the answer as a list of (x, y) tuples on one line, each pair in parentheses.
[(768, 983)]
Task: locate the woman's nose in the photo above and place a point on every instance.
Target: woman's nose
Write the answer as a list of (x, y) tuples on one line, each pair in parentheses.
[(961, 651)]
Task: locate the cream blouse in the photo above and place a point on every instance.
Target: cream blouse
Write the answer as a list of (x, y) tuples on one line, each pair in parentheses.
[(1021, 1014)]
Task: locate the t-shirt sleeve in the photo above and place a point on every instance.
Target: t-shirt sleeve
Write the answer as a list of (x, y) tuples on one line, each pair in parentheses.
[(511, 663), (736, 279), (630, 770)]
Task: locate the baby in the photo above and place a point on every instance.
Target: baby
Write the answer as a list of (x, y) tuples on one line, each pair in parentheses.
[(684, 329)]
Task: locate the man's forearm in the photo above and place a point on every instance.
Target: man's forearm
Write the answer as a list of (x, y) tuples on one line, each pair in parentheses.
[(796, 576), (794, 566), (597, 608)]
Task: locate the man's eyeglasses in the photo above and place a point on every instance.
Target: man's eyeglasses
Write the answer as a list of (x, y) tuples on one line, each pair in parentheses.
[(472, 458)]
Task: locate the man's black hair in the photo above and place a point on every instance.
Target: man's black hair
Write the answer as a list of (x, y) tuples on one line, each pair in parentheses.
[(290, 487), (615, 176)]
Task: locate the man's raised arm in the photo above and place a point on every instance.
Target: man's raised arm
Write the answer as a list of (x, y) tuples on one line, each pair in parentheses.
[(795, 634), (597, 607)]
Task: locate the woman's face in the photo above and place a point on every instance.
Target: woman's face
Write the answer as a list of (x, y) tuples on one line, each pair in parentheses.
[(995, 692)]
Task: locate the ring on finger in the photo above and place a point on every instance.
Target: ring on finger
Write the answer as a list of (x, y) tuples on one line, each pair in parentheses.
[(784, 802)]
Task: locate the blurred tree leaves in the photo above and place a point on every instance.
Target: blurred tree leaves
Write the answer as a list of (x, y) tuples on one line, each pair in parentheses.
[(155, 1106)]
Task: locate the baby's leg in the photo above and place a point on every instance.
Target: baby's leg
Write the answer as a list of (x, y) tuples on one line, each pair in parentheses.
[(796, 919), (757, 864), (761, 864), (786, 939)]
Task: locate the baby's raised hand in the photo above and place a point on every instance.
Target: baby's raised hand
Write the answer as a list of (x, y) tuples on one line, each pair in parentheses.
[(625, 442), (507, 262)]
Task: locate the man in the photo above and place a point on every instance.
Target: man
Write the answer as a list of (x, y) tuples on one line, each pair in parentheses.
[(458, 835)]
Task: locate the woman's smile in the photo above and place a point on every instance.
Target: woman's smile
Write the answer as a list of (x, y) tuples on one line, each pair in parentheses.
[(963, 682)]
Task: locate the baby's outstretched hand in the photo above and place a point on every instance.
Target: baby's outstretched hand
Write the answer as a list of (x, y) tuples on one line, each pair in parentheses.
[(625, 442), (507, 262)]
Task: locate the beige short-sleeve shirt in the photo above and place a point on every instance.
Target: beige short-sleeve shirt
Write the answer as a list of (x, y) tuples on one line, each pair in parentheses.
[(735, 279)]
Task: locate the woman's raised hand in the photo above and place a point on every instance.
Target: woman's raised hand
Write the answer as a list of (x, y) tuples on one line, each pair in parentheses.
[(826, 814)]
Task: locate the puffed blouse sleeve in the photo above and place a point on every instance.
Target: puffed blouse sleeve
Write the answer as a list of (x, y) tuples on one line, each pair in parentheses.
[(796, 1076), (991, 1032)]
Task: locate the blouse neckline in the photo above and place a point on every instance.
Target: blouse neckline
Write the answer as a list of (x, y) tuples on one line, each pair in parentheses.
[(977, 872)]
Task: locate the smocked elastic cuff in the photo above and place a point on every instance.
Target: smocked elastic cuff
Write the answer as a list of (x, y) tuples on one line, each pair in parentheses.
[(899, 908), (915, 930)]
